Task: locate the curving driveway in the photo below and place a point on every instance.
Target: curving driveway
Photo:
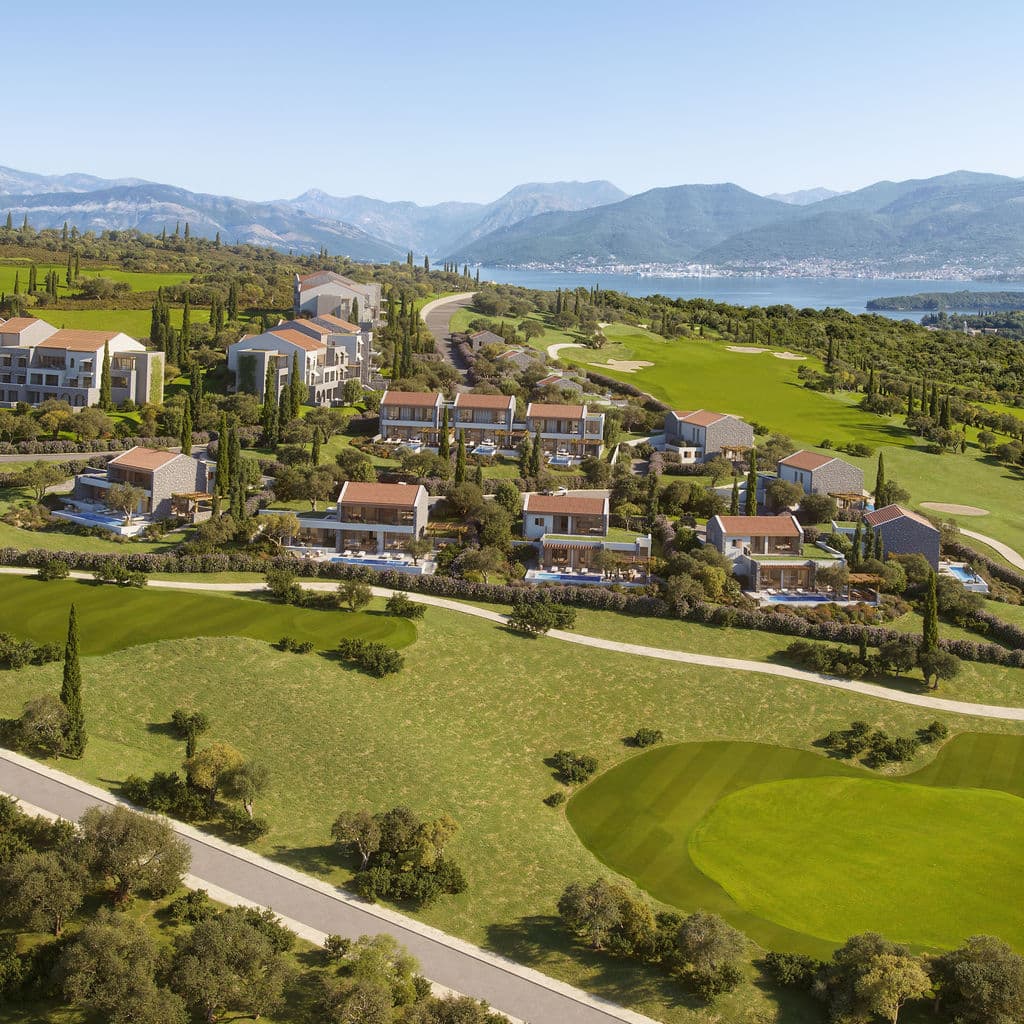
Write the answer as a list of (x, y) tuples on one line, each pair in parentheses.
[(1005, 550), (437, 316)]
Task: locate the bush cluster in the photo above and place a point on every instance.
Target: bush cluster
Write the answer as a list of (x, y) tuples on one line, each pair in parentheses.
[(405, 608), (876, 747), (537, 617), (16, 654), (114, 572), (289, 643), (572, 767), (646, 737), (371, 656)]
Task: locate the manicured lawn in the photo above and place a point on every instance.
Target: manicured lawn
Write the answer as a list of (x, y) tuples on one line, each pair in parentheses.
[(137, 281), (801, 851), (464, 728), (112, 618), (133, 322)]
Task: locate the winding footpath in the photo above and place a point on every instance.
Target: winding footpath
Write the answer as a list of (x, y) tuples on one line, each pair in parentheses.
[(1005, 550), (995, 711)]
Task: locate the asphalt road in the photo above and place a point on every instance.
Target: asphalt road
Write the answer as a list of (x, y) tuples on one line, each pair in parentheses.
[(510, 989), (436, 315)]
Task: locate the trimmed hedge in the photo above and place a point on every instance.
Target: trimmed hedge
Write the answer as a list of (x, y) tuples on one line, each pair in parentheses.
[(110, 444)]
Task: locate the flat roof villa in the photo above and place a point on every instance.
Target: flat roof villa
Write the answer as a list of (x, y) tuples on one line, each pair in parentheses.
[(576, 544), (370, 524)]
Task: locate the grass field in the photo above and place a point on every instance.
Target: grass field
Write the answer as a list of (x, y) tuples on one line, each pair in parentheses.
[(137, 281), (133, 322), (808, 850), (112, 618), (464, 728), (834, 857)]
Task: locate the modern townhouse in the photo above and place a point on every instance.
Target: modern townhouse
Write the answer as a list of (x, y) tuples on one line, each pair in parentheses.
[(326, 293), (411, 417), (353, 343), (822, 474), (40, 362), (701, 435), (905, 533), (573, 537), (568, 433), (485, 421)]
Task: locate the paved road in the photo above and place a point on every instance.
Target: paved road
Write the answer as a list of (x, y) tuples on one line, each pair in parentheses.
[(447, 961), (436, 315), (1013, 557), (767, 668)]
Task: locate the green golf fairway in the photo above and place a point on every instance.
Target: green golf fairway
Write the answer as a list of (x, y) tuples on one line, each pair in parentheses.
[(816, 849), (832, 857)]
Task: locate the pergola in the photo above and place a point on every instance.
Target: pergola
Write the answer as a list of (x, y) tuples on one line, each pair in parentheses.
[(191, 504), (864, 581), (847, 501), (735, 452)]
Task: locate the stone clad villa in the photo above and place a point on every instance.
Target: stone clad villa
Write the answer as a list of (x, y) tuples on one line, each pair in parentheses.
[(905, 533), (701, 435), (821, 474)]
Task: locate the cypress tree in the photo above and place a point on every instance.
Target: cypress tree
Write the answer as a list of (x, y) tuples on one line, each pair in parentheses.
[(186, 324), (233, 301), (460, 461), (17, 282), (237, 490), (910, 400), (10, 223), (186, 429), (536, 455), (946, 416), (477, 275), (858, 546), (297, 387), (71, 692), (284, 408), (407, 356), (930, 612), (67, 273), (105, 401), (734, 500), (933, 403), (750, 504), (216, 241), (268, 419), (354, 312), (862, 650), (478, 477), (525, 455), (880, 481), (78, 266), (444, 448), (878, 552), (315, 453), (163, 233), (223, 456), (188, 232)]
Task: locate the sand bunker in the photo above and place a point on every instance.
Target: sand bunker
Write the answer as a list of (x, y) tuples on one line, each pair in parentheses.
[(787, 355), (752, 350), (954, 510), (623, 365)]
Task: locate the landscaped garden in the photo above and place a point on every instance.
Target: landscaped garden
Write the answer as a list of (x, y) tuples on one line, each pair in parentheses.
[(464, 729)]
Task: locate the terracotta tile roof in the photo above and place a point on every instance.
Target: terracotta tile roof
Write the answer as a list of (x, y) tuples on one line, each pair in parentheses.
[(564, 504), (335, 322), (303, 325), (465, 401), (413, 398), (701, 417), (396, 495), (561, 412), (299, 339), (759, 526), (17, 324), (78, 341), (891, 513), (143, 458), (809, 461)]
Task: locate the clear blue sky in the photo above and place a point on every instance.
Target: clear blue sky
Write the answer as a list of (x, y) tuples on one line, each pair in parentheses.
[(433, 101)]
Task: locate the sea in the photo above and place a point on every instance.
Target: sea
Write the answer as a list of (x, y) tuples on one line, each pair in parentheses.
[(850, 293)]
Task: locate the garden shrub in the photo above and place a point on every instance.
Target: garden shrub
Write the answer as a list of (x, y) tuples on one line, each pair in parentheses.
[(371, 656), (645, 737), (556, 799), (573, 767)]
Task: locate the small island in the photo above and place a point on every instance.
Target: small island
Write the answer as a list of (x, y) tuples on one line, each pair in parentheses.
[(962, 300)]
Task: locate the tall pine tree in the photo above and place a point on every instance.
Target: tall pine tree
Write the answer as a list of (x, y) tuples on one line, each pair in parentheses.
[(106, 404), (71, 692)]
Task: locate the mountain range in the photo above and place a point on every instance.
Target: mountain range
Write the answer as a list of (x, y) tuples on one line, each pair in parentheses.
[(959, 223)]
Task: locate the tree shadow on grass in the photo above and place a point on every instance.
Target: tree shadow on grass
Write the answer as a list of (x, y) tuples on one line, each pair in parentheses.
[(163, 729), (541, 939), (318, 860), (793, 1003)]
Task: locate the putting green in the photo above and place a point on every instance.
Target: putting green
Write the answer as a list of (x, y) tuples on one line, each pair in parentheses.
[(655, 819), (832, 857)]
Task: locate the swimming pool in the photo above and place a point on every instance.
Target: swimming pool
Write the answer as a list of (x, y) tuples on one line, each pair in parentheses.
[(799, 599), (963, 574), (382, 563), (543, 576)]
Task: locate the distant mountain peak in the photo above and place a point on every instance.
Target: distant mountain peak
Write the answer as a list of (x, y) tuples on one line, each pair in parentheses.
[(805, 196)]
